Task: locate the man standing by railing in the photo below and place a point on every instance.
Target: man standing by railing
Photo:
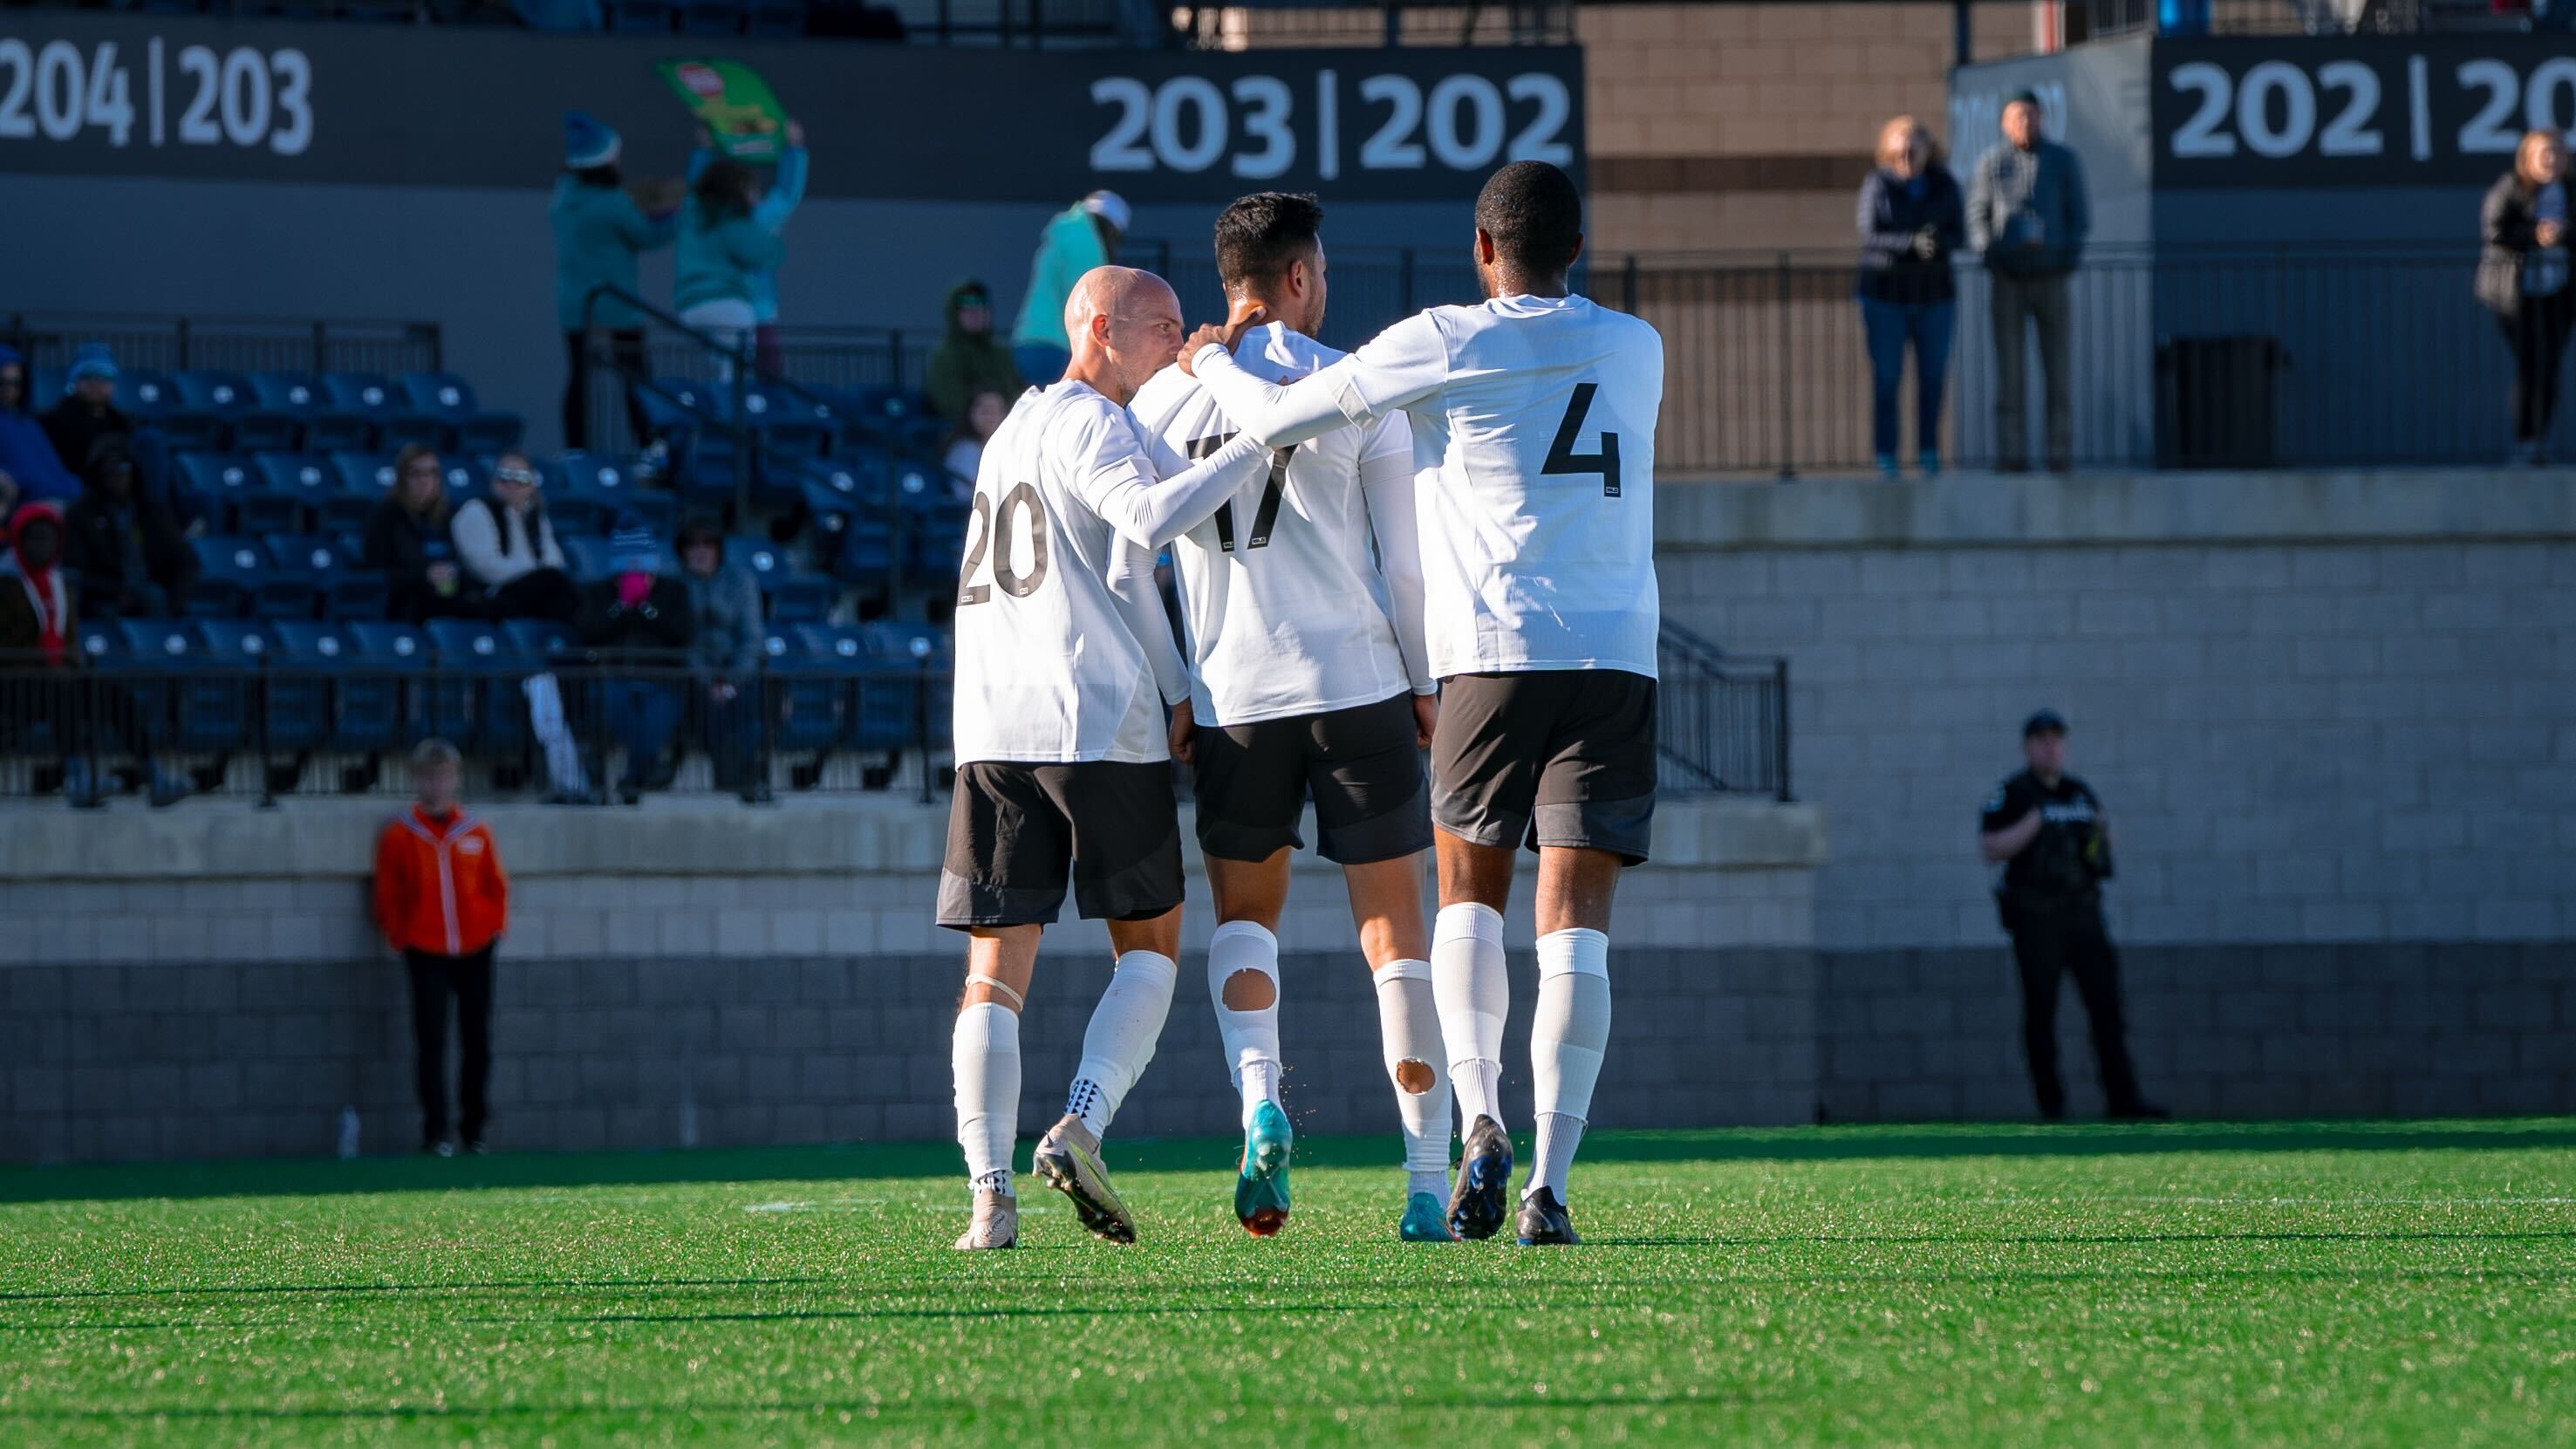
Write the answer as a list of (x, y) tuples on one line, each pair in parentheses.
[(2028, 213)]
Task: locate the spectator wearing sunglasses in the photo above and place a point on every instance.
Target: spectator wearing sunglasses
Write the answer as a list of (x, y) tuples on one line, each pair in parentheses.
[(407, 541), (508, 550)]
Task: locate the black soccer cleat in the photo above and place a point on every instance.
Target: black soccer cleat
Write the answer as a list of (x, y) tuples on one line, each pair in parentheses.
[(1483, 1194), (2139, 1109), (1545, 1221)]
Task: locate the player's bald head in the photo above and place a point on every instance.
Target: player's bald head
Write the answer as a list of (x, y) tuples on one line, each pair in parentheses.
[(1125, 326), (1115, 293)]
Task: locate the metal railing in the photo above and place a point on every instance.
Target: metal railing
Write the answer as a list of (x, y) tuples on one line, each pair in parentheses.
[(282, 728), (228, 344), (1722, 725), (2307, 355)]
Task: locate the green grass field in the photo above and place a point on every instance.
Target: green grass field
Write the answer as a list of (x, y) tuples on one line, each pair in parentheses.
[(2408, 1284)]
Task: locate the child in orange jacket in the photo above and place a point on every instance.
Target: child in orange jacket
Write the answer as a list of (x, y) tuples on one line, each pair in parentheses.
[(443, 901)]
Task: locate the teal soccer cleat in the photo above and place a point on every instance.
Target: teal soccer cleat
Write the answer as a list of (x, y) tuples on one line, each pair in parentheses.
[(1261, 1193), (1424, 1221)]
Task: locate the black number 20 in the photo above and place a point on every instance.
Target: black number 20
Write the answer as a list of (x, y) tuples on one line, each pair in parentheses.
[(1561, 457), (980, 530), (1266, 516)]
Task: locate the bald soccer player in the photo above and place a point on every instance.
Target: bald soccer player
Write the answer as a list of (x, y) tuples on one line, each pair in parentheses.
[(1065, 670)]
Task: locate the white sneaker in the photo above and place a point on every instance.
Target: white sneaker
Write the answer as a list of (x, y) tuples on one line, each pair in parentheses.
[(996, 1224)]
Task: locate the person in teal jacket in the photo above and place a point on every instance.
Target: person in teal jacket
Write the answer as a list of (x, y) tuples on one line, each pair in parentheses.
[(600, 230), (1083, 236), (723, 251), (777, 203)]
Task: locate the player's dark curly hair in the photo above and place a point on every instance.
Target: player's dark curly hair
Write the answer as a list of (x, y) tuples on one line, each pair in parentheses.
[(1534, 215), (1258, 237)]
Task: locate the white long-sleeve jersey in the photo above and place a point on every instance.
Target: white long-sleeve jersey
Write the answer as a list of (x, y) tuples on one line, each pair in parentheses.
[(1534, 422), (1063, 650), (1303, 592)]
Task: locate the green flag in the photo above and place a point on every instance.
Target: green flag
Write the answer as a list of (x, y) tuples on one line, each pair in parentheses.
[(733, 103)]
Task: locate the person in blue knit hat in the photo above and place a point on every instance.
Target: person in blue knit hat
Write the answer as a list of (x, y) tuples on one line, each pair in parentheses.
[(639, 623), (87, 414), (600, 230)]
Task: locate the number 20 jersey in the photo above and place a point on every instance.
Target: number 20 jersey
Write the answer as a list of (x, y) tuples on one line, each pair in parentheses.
[(1538, 532), (1050, 668)]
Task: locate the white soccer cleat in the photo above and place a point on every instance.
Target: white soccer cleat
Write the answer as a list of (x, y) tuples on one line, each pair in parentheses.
[(996, 1225), (1068, 1157)]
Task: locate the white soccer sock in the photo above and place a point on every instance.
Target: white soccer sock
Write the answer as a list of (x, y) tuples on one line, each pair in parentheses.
[(1120, 1040), (1250, 1036), (1408, 1024), (985, 1056), (1474, 994), (1568, 1033)]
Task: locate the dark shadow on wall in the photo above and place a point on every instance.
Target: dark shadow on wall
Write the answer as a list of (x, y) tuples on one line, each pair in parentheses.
[(308, 1176)]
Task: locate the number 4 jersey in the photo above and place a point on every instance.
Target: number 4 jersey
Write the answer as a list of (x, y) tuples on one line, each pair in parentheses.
[(1064, 653), (1538, 413), (1303, 593)]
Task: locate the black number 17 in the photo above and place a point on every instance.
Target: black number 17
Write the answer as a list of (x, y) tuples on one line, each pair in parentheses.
[(1266, 516), (1561, 457)]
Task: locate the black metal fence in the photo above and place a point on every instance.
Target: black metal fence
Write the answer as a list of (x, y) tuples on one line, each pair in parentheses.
[(1722, 725), (581, 731), (584, 730), (2307, 355), (228, 344)]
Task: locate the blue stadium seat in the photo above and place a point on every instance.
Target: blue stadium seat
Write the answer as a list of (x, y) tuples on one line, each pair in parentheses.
[(144, 395), (789, 420), (791, 595), (236, 576), (466, 477), (542, 641), (580, 515), (901, 652), (378, 693), (284, 709), (301, 397), (710, 17), (367, 475), (466, 426), (475, 700), (177, 707), (318, 668), (373, 399), (312, 482), (586, 556), (808, 693), (346, 592), (678, 406), (45, 384), (247, 425)]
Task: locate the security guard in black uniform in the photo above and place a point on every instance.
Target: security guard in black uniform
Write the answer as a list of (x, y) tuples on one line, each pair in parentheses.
[(2047, 830)]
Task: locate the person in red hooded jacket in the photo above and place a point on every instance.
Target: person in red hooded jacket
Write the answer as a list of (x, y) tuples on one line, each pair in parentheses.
[(40, 657)]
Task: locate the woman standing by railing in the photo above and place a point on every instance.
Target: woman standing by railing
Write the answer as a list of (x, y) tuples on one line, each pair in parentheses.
[(2523, 279), (1912, 218)]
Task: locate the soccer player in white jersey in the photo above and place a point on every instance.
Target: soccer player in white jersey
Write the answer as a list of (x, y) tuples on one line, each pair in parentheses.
[(1536, 414), (1302, 597), (1065, 664)]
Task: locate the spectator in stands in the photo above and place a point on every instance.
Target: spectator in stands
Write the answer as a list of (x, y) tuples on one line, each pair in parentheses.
[(969, 359), (2029, 216), (407, 541), (30, 470), (40, 660), (443, 902), (638, 620), (125, 547), (723, 250), (778, 202), (600, 230), (966, 441), (87, 415), (1084, 236), (507, 546), (2523, 278), (2047, 830), (724, 649), (1911, 219)]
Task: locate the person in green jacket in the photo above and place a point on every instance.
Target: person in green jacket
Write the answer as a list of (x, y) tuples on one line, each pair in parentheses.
[(1081, 237), (600, 229), (724, 249), (969, 359)]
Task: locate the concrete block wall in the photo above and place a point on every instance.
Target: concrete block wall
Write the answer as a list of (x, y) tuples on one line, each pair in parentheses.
[(2316, 710)]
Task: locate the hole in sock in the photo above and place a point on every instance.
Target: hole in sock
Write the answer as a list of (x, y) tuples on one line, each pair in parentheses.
[(1249, 991), (1414, 1076)]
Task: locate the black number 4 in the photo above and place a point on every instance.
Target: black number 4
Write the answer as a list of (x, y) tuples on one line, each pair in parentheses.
[(1561, 457)]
